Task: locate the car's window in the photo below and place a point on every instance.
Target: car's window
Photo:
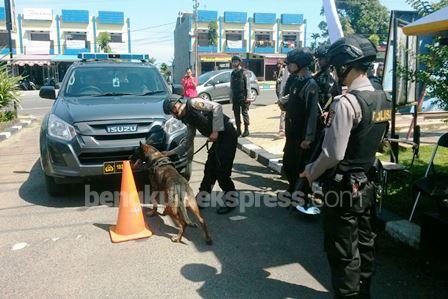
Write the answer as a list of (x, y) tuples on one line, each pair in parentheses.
[(222, 78), (204, 77), (119, 80)]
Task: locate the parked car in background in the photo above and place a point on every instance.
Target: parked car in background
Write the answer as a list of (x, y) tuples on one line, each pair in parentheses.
[(215, 85)]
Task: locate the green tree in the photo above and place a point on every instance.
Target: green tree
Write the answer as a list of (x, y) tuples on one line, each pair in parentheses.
[(364, 17), (103, 42), (165, 70), (213, 33), (314, 37), (424, 7), (9, 94)]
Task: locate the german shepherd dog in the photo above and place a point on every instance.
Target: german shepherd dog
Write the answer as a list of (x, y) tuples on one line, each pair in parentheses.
[(173, 189)]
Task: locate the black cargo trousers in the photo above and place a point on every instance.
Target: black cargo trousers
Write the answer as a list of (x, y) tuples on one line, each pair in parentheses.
[(219, 164), (240, 107), (348, 236)]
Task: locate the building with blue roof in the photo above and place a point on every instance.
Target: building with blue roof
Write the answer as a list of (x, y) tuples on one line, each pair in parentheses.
[(262, 39)]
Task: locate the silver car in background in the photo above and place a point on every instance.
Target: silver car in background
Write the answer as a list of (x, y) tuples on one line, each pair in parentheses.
[(215, 85)]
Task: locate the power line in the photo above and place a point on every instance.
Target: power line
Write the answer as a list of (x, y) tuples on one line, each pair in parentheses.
[(152, 27)]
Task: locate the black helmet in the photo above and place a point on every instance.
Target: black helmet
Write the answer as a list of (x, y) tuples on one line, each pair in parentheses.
[(169, 103), (352, 50), (236, 58), (321, 51), (300, 56)]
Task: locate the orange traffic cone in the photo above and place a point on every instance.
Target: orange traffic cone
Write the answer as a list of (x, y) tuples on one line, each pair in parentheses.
[(130, 224)]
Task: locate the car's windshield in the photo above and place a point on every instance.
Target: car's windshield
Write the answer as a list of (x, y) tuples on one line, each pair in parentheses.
[(204, 77), (117, 80)]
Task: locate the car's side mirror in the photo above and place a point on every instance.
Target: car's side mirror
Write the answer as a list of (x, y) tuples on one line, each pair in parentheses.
[(47, 92), (57, 85), (178, 89)]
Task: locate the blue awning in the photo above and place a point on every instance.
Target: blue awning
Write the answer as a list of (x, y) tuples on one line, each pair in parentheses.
[(65, 58)]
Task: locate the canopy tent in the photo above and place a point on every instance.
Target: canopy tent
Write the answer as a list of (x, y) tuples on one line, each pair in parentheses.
[(31, 60), (431, 24)]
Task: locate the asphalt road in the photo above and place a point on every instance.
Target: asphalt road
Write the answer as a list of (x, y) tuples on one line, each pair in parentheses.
[(59, 247)]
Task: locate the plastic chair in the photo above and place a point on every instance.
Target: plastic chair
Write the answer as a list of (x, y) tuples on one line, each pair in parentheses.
[(388, 168), (434, 184)]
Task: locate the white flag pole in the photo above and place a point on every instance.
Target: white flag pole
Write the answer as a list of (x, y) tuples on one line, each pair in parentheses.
[(334, 25)]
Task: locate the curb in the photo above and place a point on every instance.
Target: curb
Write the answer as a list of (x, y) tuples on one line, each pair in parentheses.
[(262, 156), (399, 229), (23, 123)]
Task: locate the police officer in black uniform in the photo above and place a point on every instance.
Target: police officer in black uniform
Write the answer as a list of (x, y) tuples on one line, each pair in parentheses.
[(302, 114), (356, 124), (207, 117), (328, 88), (240, 95)]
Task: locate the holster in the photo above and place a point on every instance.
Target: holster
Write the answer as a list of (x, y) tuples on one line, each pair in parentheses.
[(349, 191)]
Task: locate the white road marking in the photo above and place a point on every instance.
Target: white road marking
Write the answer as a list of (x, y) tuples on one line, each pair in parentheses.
[(237, 218), (19, 246)]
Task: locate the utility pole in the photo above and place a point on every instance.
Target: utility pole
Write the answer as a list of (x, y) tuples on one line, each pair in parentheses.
[(9, 25), (196, 36)]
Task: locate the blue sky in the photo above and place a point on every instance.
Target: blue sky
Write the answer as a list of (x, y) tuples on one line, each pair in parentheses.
[(158, 41)]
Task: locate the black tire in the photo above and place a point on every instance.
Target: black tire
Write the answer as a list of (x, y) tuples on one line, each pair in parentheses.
[(54, 189), (205, 96), (187, 171)]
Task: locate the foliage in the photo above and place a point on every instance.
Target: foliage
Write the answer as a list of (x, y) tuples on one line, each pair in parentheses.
[(314, 37), (165, 70), (375, 39), (364, 17), (7, 116), (9, 91), (434, 74), (213, 33), (424, 7), (400, 196), (104, 39)]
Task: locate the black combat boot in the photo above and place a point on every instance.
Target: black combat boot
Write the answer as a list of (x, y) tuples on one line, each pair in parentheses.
[(246, 131)]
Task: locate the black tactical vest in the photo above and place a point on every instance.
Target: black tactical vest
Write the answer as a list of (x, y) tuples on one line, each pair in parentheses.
[(201, 120), (296, 111), (238, 84), (367, 136), (325, 82)]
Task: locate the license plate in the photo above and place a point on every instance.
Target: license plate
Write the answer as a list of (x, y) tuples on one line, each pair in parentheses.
[(112, 167)]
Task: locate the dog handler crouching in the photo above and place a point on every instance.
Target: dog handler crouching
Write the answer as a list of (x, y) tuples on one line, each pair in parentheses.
[(356, 124), (207, 117)]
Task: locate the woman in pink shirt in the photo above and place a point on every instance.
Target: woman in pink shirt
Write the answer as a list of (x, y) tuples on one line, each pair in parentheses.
[(189, 83)]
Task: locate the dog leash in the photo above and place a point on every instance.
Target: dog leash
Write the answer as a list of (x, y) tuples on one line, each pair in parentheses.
[(204, 145)]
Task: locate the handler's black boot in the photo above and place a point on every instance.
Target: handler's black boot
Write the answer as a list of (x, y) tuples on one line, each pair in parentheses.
[(246, 131), (228, 207)]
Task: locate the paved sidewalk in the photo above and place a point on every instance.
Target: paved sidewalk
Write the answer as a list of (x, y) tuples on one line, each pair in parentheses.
[(265, 145)]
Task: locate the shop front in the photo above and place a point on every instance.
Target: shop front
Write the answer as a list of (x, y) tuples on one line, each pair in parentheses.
[(213, 62)]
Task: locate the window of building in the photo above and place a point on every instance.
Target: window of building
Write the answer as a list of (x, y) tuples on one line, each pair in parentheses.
[(290, 40), (263, 39), (75, 36), (203, 38), (116, 37), (235, 39), (40, 36)]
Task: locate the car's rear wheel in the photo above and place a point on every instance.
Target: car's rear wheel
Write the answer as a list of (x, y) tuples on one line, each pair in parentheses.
[(254, 93), (53, 188), (205, 96), (187, 171)]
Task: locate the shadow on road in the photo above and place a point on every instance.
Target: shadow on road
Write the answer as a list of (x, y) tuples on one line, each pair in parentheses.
[(33, 190)]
